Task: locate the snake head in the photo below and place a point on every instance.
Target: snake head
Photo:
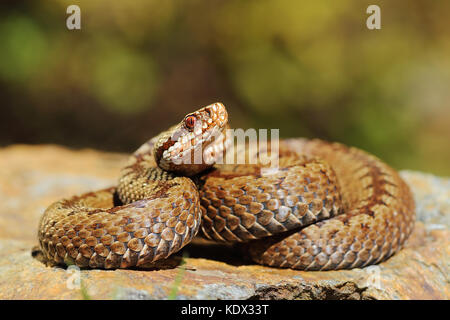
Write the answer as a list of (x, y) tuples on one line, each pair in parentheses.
[(196, 143)]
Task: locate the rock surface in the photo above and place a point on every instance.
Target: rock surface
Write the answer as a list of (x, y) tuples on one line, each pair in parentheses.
[(32, 177)]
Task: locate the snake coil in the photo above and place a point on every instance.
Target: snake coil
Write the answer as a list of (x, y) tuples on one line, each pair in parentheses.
[(327, 207)]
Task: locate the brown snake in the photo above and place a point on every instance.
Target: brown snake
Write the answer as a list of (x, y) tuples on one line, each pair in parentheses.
[(327, 206)]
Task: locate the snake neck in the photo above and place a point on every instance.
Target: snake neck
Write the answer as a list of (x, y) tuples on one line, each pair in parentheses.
[(143, 180)]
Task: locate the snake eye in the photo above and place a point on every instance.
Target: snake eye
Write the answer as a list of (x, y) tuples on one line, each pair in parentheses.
[(190, 122)]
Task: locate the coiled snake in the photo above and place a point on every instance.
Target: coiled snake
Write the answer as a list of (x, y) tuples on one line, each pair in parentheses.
[(327, 206)]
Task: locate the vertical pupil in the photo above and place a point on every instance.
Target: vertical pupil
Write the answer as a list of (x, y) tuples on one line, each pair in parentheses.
[(190, 121)]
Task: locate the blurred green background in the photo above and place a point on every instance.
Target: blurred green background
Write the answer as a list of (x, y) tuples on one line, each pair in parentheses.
[(310, 68)]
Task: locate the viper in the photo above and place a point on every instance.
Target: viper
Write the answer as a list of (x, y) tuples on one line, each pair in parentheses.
[(326, 206)]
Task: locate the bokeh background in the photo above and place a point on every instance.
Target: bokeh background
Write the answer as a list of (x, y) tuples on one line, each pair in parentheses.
[(310, 68)]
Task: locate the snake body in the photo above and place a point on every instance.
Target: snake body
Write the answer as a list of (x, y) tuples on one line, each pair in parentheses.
[(327, 207)]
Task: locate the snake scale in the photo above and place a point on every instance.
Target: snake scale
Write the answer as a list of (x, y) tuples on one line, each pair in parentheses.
[(326, 207)]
